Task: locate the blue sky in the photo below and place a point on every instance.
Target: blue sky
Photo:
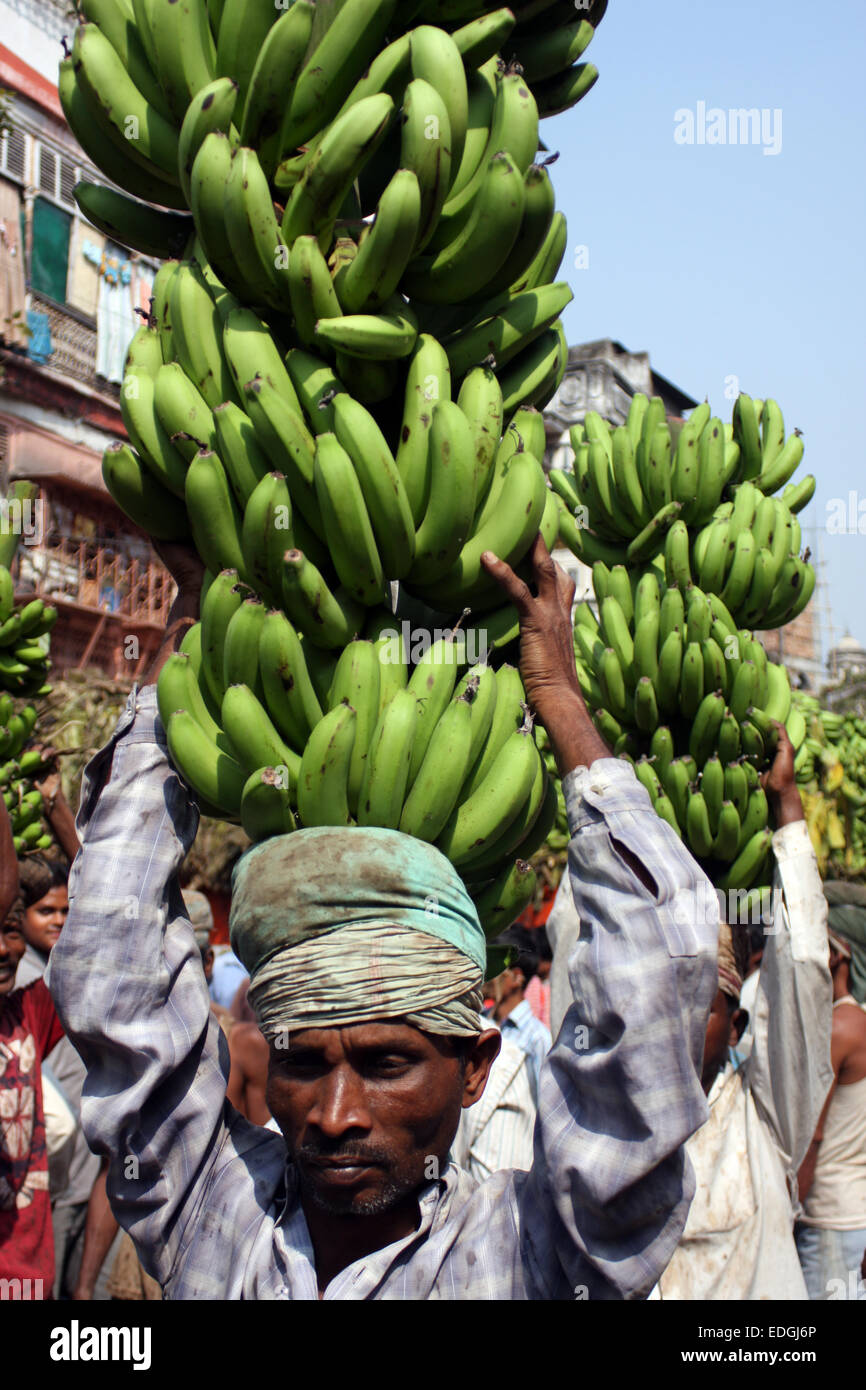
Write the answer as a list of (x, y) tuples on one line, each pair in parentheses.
[(722, 261)]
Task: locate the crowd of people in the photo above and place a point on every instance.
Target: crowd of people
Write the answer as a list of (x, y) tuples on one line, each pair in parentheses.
[(696, 1131)]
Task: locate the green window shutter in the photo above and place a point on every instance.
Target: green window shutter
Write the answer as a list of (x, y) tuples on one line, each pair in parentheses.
[(49, 262)]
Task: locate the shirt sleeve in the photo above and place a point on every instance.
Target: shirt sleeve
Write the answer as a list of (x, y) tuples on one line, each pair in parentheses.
[(42, 1018), (620, 1093), (788, 1070), (127, 979)]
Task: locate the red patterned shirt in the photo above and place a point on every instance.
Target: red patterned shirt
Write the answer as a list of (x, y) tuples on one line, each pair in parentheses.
[(29, 1029)]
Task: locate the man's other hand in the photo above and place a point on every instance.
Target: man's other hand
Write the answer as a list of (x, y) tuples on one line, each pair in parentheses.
[(779, 782)]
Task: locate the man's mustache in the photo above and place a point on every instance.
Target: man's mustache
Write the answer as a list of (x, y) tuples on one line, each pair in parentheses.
[(342, 1148)]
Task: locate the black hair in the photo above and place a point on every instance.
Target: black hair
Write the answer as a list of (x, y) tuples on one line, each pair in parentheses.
[(37, 876), (542, 943), (525, 954)]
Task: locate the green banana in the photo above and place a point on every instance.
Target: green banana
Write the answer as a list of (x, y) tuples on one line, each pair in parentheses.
[(214, 518), (494, 805), (316, 199), (144, 500), (219, 605), (291, 701), (333, 67), (278, 65), (152, 231), (182, 411), (326, 619), (316, 386), (448, 517), (241, 653), (213, 775), (254, 738), (323, 784), (210, 110), (386, 775), (348, 530), (266, 535), (183, 50), (381, 484), (266, 805), (436, 786), (427, 383)]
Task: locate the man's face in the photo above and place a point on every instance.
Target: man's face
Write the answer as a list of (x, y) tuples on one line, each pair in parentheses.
[(12, 946), (43, 922), (724, 1030), (364, 1109)]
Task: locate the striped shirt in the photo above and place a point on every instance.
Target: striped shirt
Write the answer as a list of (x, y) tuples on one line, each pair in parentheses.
[(497, 1131), (522, 1028), (212, 1202)]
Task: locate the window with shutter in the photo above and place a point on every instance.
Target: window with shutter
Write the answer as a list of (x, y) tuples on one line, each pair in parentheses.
[(14, 152), (68, 180), (47, 171)]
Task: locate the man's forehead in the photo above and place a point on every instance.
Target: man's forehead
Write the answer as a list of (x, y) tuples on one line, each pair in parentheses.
[(372, 1033)]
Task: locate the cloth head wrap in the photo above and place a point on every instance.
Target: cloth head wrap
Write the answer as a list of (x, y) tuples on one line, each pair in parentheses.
[(200, 915), (339, 926), (732, 959), (846, 918)]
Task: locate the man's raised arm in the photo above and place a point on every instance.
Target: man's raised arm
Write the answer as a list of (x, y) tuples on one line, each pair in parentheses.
[(620, 1092), (127, 980)]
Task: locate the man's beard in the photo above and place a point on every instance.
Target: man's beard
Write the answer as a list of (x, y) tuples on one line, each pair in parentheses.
[(396, 1184)]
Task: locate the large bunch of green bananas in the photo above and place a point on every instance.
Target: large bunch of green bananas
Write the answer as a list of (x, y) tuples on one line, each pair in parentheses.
[(688, 697), (271, 729), (831, 773), (353, 333), (148, 80), (703, 495), (254, 455)]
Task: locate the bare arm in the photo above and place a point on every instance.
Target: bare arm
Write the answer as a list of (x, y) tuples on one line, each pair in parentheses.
[(99, 1232), (845, 1040), (789, 1067), (187, 570), (547, 657), (548, 668), (58, 812), (248, 1078)]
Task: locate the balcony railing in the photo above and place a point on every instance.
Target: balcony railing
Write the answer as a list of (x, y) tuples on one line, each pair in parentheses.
[(96, 578), (73, 343)]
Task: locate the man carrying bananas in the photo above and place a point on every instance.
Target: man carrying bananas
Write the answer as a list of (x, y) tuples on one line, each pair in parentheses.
[(367, 961)]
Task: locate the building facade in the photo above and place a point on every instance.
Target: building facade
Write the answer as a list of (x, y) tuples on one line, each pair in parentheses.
[(69, 304)]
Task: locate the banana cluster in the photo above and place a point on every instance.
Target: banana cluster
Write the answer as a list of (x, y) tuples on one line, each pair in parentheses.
[(24, 631), (831, 774), (269, 729), (148, 80), (353, 333), (18, 776), (276, 470), (24, 643), (689, 698), (359, 189), (703, 495)]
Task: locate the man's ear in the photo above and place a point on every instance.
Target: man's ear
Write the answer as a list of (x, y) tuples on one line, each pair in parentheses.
[(479, 1059), (739, 1019)]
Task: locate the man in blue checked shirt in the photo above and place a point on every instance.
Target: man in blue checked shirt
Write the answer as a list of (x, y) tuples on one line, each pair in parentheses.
[(370, 1002)]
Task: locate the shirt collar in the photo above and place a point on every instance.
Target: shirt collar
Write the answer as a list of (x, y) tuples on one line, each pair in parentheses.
[(520, 1015)]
